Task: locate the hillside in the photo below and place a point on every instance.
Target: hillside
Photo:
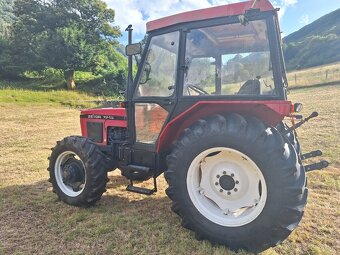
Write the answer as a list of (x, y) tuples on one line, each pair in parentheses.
[(315, 44)]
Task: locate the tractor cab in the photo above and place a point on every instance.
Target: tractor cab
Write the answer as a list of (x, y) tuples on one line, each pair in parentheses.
[(228, 57)]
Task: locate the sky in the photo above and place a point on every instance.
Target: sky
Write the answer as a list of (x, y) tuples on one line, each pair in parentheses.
[(294, 14)]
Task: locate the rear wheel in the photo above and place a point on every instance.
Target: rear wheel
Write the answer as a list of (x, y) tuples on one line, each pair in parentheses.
[(290, 136), (236, 182), (78, 171)]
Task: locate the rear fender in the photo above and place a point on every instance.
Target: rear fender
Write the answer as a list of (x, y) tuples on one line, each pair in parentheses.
[(270, 112)]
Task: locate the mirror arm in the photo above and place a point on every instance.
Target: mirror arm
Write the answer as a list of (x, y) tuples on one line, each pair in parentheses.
[(129, 29)]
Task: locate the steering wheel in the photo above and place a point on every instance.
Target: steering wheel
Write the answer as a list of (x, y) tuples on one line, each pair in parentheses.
[(197, 89)]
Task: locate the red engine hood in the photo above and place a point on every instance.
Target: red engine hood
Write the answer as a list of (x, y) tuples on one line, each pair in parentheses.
[(106, 117)]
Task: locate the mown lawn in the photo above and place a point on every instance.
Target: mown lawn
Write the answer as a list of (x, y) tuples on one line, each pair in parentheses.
[(33, 221)]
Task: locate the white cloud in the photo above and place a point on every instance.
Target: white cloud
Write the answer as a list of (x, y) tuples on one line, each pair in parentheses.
[(283, 5), (138, 12), (304, 19)]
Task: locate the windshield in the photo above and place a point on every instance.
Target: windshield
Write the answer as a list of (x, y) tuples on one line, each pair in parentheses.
[(232, 59)]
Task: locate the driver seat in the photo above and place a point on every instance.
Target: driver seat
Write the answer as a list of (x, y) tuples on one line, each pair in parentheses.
[(250, 87)]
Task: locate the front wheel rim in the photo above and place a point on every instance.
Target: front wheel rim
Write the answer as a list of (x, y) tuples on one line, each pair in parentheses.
[(67, 187), (226, 187)]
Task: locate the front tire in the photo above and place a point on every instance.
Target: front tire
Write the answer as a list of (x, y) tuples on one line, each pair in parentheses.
[(78, 171), (270, 194)]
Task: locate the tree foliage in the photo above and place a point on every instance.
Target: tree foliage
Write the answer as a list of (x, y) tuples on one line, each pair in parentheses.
[(65, 34), (6, 16)]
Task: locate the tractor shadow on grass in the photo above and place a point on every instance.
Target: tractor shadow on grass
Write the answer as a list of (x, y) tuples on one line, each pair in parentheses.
[(32, 214)]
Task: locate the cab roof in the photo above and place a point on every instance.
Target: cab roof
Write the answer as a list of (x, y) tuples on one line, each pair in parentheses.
[(208, 13)]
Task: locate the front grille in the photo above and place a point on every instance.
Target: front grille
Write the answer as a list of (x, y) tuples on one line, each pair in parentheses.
[(95, 131)]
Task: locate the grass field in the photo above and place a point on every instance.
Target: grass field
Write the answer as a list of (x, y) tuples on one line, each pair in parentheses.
[(33, 221)]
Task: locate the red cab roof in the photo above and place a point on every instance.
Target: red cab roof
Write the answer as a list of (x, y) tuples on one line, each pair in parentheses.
[(208, 13)]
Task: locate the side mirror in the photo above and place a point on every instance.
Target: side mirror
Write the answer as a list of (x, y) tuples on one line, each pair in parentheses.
[(133, 49)]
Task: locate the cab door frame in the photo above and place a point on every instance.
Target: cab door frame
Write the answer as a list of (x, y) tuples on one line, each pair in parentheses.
[(167, 103)]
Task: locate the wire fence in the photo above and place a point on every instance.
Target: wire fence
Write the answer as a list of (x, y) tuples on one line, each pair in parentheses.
[(313, 77)]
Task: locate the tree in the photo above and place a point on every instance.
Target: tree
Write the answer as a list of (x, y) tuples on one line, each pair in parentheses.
[(6, 16), (64, 34)]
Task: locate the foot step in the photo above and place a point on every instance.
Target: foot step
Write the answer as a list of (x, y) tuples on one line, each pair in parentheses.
[(143, 191), (140, 190)]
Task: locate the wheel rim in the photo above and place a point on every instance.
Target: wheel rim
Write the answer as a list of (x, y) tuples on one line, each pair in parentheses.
[(70, 173), (226, 187)]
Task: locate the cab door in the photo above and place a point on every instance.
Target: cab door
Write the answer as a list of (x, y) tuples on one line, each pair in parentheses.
[(155, 92)]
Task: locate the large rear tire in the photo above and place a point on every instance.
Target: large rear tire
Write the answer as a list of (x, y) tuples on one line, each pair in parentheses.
[(78, 171), (236, 182), (291, 136)]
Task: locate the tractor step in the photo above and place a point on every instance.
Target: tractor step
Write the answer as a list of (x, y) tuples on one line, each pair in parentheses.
[(316, 166), (311, 154), (141, 190)]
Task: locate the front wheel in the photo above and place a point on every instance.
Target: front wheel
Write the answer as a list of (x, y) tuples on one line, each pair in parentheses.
[(236, 182), (78, 171)]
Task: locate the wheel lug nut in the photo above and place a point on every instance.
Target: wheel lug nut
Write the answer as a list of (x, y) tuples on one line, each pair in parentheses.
[(232, 175), (229, 193), (217, 176), (235, 190), (224, 172), (237, 182), (216, 183), (221, 190)]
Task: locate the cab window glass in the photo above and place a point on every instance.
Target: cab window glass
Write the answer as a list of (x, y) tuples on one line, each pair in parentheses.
[(160, 69)]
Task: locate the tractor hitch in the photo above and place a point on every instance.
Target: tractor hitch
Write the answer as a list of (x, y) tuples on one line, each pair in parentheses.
[(299, 124), (316, 166), (311, 154)]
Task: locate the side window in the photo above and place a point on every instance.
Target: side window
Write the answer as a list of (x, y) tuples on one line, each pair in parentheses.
[(160, 68)]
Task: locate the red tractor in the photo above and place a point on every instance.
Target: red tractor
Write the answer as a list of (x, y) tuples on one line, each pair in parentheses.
[(207, 109)]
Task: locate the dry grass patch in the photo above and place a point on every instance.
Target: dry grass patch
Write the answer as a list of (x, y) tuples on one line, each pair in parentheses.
[(33, 221), (326, 74)]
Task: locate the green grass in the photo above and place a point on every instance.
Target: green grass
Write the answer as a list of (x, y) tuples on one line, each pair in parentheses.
[(62, 97), (53, 91), (33, 221)]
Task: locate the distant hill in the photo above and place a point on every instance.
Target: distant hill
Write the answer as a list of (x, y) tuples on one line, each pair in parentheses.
[(315, 44)]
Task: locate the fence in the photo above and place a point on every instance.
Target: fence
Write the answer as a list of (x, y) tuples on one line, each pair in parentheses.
[(329, 74)]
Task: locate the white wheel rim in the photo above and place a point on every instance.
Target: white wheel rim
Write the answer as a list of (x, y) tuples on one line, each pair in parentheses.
[(226, 187), (58, 171)]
